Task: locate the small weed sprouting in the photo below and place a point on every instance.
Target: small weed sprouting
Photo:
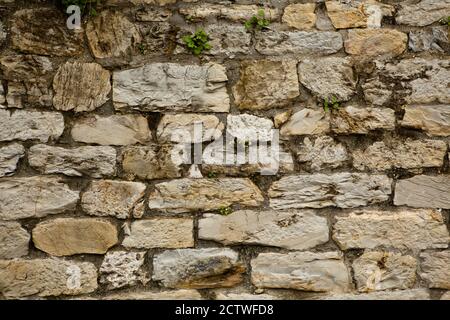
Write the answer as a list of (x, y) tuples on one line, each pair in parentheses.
[(141, 48), (211, 175), (197, 42), (445, 21), (330, 104), (225, 211), (257, 22)]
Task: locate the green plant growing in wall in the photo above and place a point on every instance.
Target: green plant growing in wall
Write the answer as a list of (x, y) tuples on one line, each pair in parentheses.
[(331, 104), (211, 175), (445, 21), (197, 42), (257, 22), (86, 6), (225, 211), (142, 49)]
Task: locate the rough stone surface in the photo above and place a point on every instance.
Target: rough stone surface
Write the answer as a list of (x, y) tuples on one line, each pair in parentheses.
[(280, 43), (307, 122), (404, 229), (265, 84), (231, 12), (182, 294), (382, 270), (34, 197), (351, 120), (328, 77), (172, 88), (423, 13), (189, 128), (88, 161), (429, 39), (46, 277), (343, 190), (434, 269), (197, 268), (184, 195), (9, 158), (323, 153), (69, 236), (152, 162), (433, 120), (13, 240), (38, 31), (300, 16), (412, 294), (111, 37), (294, 230), (161, 233), (80, 87), (246, 127), (409, 154), (30, 125), (121, 268), (228, 40), (112, 130), (374, 43), (306, 271), (423, 192), (112, 198)]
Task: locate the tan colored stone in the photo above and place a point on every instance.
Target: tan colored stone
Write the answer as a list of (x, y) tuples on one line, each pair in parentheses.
[(46, 277), (184, 195), (112, 130), (80, 87), (435, 269), (376, 43), (266, 84), (69, 236), (153, 161), (9, 158), (122, 268), (403, 229), (182, 294), (13, 240), (231, 12), (434, 120), (306, 271), (412, 294), (112, 198), (294, 230), (446, 296), (351, 120), (307, 122), (383, 270), (324, 153), (300, 16), (34, 197), (161, 233)]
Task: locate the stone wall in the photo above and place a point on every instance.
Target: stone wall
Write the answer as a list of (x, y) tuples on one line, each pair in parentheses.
[(93, 205)]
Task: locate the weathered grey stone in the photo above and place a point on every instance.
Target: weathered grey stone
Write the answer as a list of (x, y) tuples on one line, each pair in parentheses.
[(431, 39), (435, 270), (306, 271), (265, 84), (80, 86), (161, 233), (383, 270), (198, 268), (112, 198), (423, 192), (404, 229), (13, 240), (434, 120), (423, 13), (246, 127), (111, 37), (243, 296), (112, 130), (149, 14), (30, 125), (412, 294), (328, 77), (307, 122), (409, 154), (343, 190), (300, 16), (375, 43), (228, 40), (233, 12), (295, 230), (9, 158), (121, 268), (89, 161), (69, 236), (189, 128), (34, 197), (183, 294), (46, 277), (3, 33), (172, 88), (184, 195), (324, 153), (43, 31), (351, 120), (280, 43), (2, 97), (152, 161)]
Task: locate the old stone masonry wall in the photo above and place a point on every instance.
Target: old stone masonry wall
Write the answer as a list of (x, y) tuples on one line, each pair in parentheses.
[(94, 206)]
